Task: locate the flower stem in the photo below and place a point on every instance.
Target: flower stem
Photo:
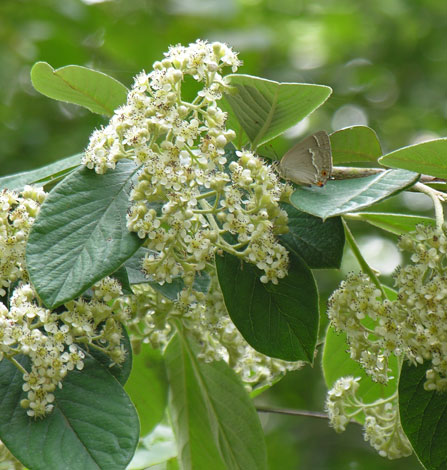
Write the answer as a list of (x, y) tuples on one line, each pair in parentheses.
[(366, 268), (17, 364)]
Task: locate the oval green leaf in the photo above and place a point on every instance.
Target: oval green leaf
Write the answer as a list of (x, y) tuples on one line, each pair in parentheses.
[(339, 197), (277, 320), (80, 235), (93, 426), (393, 223), (215, 421), (355, 144), (320, 244), (429, 158), (265, 109), (423, 416), (94, 90)]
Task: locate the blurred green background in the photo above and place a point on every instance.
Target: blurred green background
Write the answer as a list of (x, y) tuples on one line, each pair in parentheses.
[(385, 60)]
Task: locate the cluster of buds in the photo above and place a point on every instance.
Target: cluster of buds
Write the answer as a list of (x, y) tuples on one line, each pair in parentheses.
[(381, 427), (190, 200), (414, 325)]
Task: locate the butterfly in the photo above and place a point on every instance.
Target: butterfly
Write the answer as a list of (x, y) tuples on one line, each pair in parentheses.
[(309, 161)]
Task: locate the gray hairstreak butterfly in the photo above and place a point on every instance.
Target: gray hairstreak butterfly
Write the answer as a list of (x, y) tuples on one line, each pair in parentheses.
[(309, 161)]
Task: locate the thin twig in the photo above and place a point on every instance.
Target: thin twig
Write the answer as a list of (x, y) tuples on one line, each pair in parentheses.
[(289, 412), (285, 411)]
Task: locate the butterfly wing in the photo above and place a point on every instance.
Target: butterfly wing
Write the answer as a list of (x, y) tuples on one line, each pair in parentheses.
[(309, 161)]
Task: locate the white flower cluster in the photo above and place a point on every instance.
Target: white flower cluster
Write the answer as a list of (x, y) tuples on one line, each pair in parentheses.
[(189, 198), (414, 325), (48, 339), (382, 426), (205, 318), (356, 308), (17, 213)]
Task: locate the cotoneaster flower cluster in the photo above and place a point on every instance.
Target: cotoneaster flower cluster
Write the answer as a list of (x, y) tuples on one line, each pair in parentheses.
[(381, 426), (189, 197), (194, 197), (414, 326)]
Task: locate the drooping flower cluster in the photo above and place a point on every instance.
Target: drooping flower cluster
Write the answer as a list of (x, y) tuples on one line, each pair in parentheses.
[(357, 308), (414, 325), (204, 316), (189, 197), (382, 426)]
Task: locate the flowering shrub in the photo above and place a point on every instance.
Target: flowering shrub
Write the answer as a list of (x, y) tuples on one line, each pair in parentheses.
[(183, 248)]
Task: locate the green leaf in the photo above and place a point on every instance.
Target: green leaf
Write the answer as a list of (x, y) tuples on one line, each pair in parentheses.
[(147, 387), (339, 197), (423, 416), (265, 109), (355, 144), (338, 363), (320, 244), (93, 425), (80, 235), (427, 157), (40, 175), (159, 447), (277, 320), (85, 87), (215, 422), (394, 223)]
